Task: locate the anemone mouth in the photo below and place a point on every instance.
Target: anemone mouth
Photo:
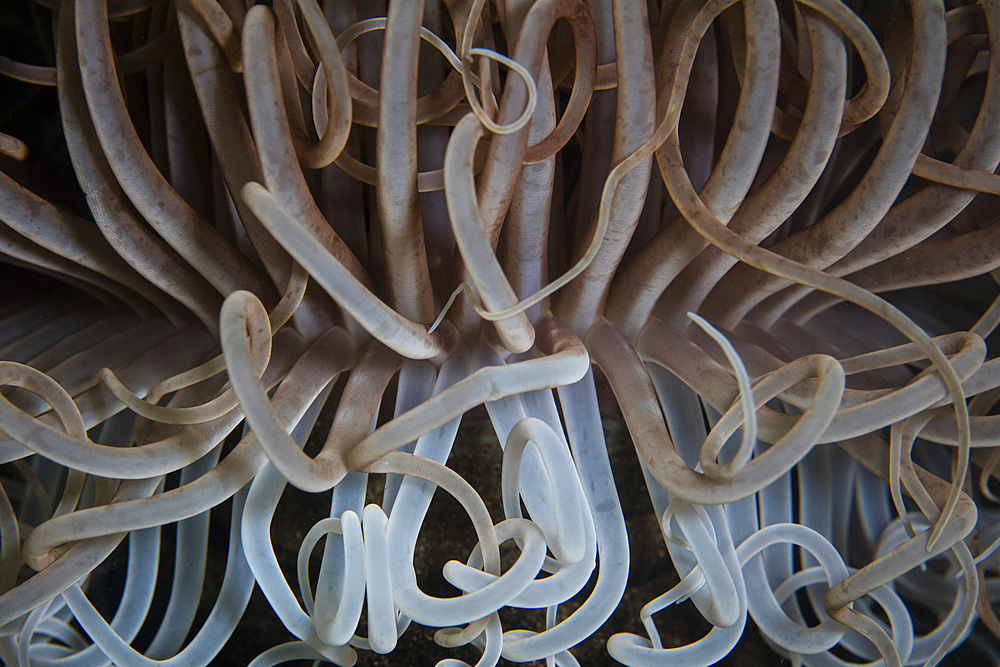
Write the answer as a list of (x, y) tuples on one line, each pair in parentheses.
[(488, 329)]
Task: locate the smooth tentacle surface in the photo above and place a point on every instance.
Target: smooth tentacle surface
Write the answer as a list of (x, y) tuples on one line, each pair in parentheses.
[(470, 332)]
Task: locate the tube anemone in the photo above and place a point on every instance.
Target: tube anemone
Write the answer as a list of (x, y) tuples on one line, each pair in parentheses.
[(678, 301)]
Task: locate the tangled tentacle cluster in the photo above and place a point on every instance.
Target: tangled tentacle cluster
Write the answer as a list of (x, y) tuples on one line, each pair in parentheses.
[(313, 236)]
